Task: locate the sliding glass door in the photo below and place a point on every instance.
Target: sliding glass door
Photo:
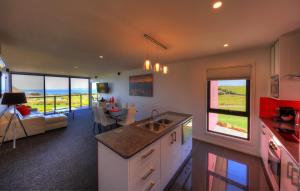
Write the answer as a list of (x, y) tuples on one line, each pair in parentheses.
[(57, 93), (33, 86), (51, 94), (79, 93)]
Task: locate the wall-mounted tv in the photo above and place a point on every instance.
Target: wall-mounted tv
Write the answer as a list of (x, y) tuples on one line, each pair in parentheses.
[(102, 87)]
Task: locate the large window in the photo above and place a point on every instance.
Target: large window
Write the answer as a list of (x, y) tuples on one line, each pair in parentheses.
[(50, 94), (228, 107), (57, 93), (33, 86), (79, 93)]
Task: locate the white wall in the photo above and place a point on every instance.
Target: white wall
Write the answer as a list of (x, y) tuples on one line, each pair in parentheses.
[(184, 90)]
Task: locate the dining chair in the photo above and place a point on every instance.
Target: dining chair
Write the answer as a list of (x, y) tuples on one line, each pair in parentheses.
[(130, 117), (101, 121)]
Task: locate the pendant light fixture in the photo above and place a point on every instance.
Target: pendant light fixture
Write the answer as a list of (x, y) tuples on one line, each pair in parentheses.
[(147, 65), (157, 66), (165, 70)]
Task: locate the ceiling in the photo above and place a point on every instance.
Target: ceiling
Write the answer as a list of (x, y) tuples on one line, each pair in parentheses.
[(67, 37)]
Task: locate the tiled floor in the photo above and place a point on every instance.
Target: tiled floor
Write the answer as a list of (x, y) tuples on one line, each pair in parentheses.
[(214, 168)]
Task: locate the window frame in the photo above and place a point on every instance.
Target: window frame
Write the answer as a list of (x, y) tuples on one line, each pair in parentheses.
[(230, 112), (44, 75)]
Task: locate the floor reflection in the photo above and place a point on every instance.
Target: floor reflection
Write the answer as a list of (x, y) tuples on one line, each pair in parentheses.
[(214, 168)]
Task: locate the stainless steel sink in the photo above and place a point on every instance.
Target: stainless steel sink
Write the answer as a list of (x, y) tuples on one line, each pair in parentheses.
[(156, 126), (164, 121), (153, 126)]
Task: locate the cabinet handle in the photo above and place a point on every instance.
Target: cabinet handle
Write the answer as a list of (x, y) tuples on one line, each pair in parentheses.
[(148, 174), (172, 138), (295, 178), (148, 154), (150, 186), (175, 136), (289, 167)]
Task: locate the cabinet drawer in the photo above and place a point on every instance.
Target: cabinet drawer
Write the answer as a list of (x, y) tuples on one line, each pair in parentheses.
[(147, 157), (147, 180)]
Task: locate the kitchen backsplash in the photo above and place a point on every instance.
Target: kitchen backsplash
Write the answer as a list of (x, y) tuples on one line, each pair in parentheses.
[(267, 107)]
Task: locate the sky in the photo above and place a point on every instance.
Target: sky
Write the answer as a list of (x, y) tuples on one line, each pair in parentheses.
[(231, 82), (36, 82)]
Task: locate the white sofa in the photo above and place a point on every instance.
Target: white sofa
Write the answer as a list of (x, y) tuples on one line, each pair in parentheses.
[(34, 124)]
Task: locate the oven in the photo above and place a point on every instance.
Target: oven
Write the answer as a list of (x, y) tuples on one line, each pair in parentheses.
[(274, 158)]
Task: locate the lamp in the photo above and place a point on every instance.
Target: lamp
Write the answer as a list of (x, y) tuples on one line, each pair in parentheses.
[(12, 99)]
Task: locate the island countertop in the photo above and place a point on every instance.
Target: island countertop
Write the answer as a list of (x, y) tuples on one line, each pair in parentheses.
[(128, 140)]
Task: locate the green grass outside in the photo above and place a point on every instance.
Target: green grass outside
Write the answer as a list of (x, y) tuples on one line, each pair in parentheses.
[(235, 100), (61, 102)]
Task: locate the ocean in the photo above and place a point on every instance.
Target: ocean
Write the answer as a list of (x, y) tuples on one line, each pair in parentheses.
[(58, 91)]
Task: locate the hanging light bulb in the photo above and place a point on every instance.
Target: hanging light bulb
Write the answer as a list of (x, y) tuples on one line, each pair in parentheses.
[(165, 69), (147, 65), (157, 67)]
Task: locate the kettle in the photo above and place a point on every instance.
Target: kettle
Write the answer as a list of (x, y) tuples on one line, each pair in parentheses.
[(297, 118)]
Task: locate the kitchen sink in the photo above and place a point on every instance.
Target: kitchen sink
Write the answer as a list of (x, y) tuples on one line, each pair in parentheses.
[(164, 121), (153, 126)]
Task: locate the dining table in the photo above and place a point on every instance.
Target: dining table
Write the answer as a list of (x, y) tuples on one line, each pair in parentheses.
[(117, 114)]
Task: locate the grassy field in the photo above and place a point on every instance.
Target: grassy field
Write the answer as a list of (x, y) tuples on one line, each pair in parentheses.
[(61, 102), (233, 99)]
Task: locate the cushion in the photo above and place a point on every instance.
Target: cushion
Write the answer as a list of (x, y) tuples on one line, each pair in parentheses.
[(55, 118), (23, 109)]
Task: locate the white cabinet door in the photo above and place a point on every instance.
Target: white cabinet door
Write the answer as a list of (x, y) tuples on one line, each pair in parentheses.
[(289, 54), (171, 155), (264, 144), (289, 179)]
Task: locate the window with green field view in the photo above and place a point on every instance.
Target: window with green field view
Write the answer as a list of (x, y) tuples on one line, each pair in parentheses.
[(57, 93), (33, 86), (50, 94), (228, 107), (79, 93)]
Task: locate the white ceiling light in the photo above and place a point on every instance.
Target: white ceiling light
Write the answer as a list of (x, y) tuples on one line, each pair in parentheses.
[(101, 57), (76, 67), (217, 4), (226, 45)]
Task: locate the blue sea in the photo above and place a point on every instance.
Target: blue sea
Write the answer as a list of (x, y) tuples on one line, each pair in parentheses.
[(59, 91)]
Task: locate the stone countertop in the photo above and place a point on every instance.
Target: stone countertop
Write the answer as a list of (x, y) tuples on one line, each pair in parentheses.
[(128, 140), (292, 147)]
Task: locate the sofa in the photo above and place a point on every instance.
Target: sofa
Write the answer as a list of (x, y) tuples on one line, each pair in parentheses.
[(34, 124)]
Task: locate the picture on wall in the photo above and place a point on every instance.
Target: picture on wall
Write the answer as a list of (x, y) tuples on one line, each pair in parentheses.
[(141, 85)]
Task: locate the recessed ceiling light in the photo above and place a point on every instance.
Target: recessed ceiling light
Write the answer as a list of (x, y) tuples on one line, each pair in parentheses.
[(217, 4), (226, 45), (101, 57), (76, 67)]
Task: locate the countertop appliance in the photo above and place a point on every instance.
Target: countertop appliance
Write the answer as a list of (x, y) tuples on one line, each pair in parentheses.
[(287, 114), (274, 161)]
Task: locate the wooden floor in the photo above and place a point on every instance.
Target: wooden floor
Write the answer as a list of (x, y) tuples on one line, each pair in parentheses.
[(214, 168)]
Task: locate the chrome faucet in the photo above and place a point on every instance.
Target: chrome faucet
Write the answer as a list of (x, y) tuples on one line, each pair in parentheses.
[(152, 116)]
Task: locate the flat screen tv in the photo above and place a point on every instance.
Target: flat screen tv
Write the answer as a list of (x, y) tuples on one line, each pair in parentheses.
[(102, 87)]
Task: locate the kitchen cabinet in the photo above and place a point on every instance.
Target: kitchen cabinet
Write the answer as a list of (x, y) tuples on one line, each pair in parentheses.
[(289, 180), (275, 67), (150, 169), (289, 57), (285, 59), (264, 144), (170, 154), (141, 172)]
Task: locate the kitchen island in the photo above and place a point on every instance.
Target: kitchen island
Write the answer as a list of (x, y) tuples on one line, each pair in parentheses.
[(144, 155)]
